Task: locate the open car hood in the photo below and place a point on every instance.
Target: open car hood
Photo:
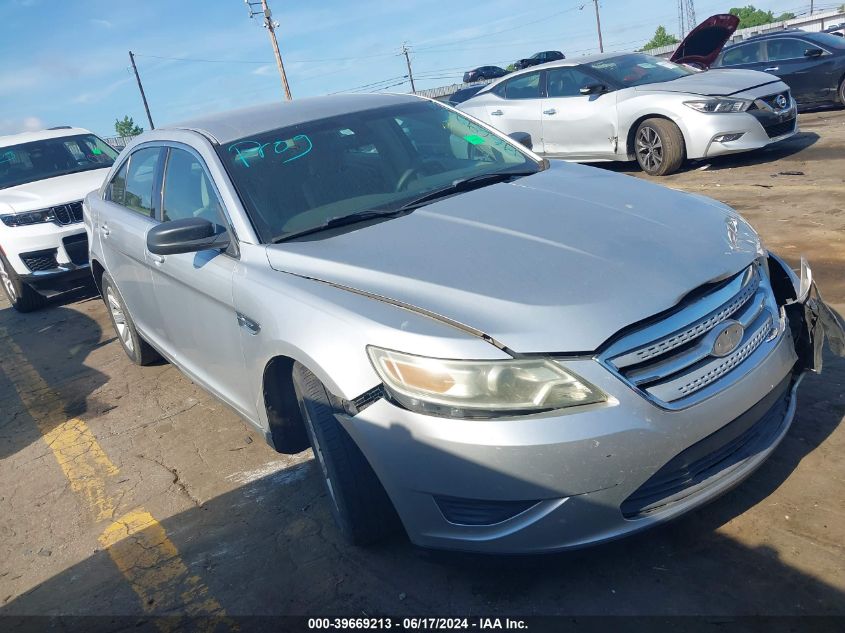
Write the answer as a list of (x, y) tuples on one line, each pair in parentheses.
[(703, 44)]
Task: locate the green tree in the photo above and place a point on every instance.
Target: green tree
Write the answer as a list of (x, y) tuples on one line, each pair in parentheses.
[(661, 38), (127, 127), (751, 16)]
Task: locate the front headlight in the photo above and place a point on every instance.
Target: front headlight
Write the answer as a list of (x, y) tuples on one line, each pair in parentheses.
[(479, 388), (719, 105), (30, 217)]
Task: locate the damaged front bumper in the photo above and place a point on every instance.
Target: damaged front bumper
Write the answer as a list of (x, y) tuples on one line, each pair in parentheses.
[(810, 319), (576, 477)]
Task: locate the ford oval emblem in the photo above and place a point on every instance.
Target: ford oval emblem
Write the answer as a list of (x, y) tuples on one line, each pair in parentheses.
[(781, 102), (728, 336)]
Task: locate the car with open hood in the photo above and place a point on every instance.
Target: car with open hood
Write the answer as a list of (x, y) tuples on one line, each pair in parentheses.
[(632, 106), (494, 352)]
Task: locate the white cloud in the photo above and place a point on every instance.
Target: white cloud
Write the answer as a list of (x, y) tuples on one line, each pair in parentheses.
[(104, 23), (15, 126), (264, 70)]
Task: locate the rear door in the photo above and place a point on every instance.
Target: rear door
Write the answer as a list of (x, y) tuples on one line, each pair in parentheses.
[(576, 125), (194, 290), (809, 78), (127, 213), (751, 55), (515, 105)]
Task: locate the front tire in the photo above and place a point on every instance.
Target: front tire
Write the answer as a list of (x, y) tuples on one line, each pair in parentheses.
[(137, 349), (659, 147), (359, 503), (22, 296), (841, 92)]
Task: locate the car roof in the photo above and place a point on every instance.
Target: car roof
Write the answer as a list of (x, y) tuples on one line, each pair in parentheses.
[(28, 137), (225, 127)]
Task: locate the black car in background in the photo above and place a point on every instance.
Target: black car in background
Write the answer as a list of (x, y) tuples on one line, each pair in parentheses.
[(484, 72), (539, 58), (811, 64), (463, 94)]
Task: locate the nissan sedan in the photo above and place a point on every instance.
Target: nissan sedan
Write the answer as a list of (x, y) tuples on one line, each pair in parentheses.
[(496, 353), (623, 107)]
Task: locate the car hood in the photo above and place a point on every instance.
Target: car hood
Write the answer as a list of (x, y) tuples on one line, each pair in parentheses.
[(716, 82), (554, 262), (703, 44), (51, 191)]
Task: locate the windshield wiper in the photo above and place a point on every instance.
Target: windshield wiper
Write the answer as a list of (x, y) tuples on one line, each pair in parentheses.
[(344, 220), (461, 185), (457, 186)]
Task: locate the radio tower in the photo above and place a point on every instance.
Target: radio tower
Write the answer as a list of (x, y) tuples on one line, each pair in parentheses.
[(686, 17)]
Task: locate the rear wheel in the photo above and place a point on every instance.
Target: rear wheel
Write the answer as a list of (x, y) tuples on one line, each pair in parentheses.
[(659, 147), (359, 503), (842, 92), (22, 296), (137, 349)]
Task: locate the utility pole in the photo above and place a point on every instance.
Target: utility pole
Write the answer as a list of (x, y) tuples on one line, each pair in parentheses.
[(141, 88), (270, 25), (811, 7), (598, 25), (410, 73)]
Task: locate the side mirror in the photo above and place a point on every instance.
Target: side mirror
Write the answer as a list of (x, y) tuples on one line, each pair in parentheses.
[(593, 89), (523, 138), (813, 52), (188, 235)]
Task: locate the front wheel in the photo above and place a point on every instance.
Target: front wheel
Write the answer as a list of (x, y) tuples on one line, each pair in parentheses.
[(659, 147), (137, 349), (842, 92), (359, 503), (22, 296)]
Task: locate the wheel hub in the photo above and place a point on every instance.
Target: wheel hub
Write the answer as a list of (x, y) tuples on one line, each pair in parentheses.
[(6, 280), (119, 319), (649, 148)]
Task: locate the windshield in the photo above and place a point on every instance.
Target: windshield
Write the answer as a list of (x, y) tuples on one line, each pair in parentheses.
[(301, 177), (52, 157), (637, 70)]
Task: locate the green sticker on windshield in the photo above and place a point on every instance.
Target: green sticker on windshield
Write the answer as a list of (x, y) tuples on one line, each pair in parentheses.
[(474, 139), (96, 151)]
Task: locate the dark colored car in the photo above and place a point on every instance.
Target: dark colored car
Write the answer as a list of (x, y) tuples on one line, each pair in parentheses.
[(484, 72), (463, 94), (811, 64), (539, 58)]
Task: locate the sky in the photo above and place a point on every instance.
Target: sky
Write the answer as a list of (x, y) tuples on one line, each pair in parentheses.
[(65, 62)]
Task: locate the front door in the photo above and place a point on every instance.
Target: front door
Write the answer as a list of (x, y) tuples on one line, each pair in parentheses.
[(576, 125), (810, 79), (194, 290)]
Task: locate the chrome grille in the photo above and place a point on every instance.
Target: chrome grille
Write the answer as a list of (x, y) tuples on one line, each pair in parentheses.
[(70, 213), (672, 359)]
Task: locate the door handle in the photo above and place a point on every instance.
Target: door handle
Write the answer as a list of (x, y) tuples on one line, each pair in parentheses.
[(496, 113), (248, 324), (772, 69), (104, 229), (158, 259), (550, 111)]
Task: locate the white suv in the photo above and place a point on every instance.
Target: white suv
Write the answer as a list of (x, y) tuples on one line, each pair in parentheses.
[(43, 178)]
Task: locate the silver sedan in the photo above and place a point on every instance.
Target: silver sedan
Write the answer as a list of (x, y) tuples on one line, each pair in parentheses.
[(637, 107), (496, 352)]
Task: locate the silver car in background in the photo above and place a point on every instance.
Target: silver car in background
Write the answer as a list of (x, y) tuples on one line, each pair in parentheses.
[(499, 353), (634, 106)]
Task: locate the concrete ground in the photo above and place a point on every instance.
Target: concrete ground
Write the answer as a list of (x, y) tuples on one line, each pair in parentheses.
[(129, 490)]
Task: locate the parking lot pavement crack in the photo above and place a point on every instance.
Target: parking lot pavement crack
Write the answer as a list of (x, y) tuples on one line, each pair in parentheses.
[(176, 482)]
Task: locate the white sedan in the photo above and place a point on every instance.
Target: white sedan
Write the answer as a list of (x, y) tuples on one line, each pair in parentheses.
[(632, 106)]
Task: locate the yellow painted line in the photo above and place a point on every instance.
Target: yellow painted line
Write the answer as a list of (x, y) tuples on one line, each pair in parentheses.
[(136, 542)]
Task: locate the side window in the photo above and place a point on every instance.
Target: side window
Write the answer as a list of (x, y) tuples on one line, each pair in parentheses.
[(746, 54), (523, 87), (117, 187), (188, 192), (567, 81), (786, 48), (140, 178)]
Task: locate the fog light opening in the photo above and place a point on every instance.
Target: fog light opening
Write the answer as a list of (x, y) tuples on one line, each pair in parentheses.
[(727, 138)]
